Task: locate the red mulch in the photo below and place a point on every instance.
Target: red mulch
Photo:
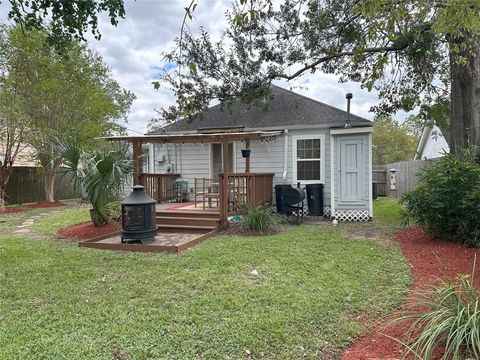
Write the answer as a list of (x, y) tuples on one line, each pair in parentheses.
[(39, 205), (87, 230), (429, 260)]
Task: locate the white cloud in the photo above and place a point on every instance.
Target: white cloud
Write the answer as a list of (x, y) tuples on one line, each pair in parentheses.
[(134, 50)]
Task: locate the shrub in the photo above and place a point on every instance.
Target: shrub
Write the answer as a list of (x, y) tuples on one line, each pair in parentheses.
[(449, 319), (100, 174), (446, 204), (259, 219)]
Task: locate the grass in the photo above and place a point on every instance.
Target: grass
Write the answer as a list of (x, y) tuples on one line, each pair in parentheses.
[(386, 211), (62, 301), (60, 218)]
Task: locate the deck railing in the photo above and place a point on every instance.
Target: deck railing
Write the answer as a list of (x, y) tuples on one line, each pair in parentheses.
[(248, 188), (161, 187)]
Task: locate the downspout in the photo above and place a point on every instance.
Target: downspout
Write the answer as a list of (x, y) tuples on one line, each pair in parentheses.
[(285, 156), (151, 158)]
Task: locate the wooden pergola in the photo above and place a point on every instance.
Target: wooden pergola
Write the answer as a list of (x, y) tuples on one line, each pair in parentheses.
[(215, 137)]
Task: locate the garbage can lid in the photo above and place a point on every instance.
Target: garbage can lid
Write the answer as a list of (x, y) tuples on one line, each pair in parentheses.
[(314, 186)]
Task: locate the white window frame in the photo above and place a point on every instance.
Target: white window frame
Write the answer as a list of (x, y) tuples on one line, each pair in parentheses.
[(320, 137)]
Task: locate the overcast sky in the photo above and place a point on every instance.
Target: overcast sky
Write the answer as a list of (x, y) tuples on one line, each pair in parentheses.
[(133, 51)]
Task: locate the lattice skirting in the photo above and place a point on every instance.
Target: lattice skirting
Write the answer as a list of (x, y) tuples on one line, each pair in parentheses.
[(326, 211), (352, 215)]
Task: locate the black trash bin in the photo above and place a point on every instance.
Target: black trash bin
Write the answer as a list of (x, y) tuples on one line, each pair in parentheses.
[(315, 199), (374, 191)]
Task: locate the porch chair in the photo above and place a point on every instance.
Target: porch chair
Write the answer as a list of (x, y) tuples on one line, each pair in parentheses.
[(208, 190)]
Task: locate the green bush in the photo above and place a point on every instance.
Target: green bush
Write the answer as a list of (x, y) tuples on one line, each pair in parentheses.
[(449, 317), (259, 219), (446, 204)]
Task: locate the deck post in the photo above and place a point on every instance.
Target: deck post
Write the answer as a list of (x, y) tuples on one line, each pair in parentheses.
[(137, 162), (224, 194), (247, 159)]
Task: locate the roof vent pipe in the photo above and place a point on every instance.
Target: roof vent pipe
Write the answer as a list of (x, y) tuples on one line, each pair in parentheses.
[(349, 97)]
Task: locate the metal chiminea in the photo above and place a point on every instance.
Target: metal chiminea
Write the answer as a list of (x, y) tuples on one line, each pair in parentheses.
[(138, 217)]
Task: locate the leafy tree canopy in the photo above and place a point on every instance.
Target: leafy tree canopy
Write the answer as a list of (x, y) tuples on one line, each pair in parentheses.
[(65, 19), (402, 49), (392, 142), (60, 95)]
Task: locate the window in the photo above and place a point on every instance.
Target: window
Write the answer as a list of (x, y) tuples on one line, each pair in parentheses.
[(308, 152)]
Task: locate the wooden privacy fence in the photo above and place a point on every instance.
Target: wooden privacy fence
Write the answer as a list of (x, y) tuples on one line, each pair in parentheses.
[(405, 174), (26, 185)]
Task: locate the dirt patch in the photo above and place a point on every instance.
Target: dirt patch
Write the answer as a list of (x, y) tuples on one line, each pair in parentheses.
[(39, 205), (87, 230), (429, 260)]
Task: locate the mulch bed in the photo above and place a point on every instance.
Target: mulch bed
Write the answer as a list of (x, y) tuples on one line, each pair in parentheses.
[(39, 205), (429, 260), (86, 231)]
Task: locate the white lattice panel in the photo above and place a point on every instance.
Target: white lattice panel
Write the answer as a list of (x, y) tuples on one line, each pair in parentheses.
[(352, 215), (326, 211)]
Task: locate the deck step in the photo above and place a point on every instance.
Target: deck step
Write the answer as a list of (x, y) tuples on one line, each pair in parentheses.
[(188, 213), (186, 228), (177, 220)]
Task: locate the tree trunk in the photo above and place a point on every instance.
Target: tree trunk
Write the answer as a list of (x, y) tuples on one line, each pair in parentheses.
[(5, 171), (465, 95), (49, 174)]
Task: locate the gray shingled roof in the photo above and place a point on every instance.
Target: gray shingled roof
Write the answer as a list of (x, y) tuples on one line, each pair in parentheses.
[(285, 109)]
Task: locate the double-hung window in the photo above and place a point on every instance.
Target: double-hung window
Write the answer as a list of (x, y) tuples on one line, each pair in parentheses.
[(308, 159)]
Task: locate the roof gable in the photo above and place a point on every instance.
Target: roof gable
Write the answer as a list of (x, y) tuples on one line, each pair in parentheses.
[(285, 109)]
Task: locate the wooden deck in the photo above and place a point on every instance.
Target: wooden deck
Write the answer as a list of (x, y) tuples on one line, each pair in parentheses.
[(181, 226), (170, 242)]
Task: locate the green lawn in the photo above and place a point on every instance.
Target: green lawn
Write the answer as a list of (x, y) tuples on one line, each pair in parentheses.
[(59, 219), (61, 301)]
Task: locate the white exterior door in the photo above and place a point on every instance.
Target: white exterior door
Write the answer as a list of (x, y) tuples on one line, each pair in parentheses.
[(351, 171)]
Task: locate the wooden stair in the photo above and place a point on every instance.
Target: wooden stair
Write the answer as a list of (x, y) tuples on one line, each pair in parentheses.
[(178, 221)]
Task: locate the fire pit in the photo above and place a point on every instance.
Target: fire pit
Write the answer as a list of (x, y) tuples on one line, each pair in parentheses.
[(138, 217)]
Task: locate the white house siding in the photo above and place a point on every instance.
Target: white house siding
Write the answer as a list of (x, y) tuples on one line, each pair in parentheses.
[(189, 160), (362, 205), (193, 160), (269, 157), (435, 145)]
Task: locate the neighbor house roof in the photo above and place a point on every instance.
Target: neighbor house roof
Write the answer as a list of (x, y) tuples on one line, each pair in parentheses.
[(285, 109)]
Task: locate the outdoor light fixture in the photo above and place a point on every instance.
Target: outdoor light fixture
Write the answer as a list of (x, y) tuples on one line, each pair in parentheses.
[(349, 97)]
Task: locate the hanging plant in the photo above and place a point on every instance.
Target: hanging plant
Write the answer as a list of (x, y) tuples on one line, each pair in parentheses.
[(246, 153)]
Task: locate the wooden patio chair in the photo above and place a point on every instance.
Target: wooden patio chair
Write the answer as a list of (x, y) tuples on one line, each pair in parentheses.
[(212, 192), (199, 190), (208, 190)]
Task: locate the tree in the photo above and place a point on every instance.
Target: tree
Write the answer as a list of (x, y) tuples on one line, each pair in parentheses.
[(12, 122), (391, 142), (64, 95), (64, 19), (413, 52)]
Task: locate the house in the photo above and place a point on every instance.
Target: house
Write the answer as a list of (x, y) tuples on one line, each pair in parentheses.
[(311, 145), (432, 144), (25, 157)]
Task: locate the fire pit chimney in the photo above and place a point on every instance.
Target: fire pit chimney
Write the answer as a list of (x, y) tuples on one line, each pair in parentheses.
[(138, 217)]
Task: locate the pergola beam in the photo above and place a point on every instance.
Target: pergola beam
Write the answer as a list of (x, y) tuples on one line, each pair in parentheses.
[(197, 138)]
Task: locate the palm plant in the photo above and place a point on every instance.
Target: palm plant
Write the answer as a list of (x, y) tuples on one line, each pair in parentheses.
[(100, 174)]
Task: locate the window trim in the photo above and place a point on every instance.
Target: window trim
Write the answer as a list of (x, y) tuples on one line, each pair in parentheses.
[(295, 138)]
